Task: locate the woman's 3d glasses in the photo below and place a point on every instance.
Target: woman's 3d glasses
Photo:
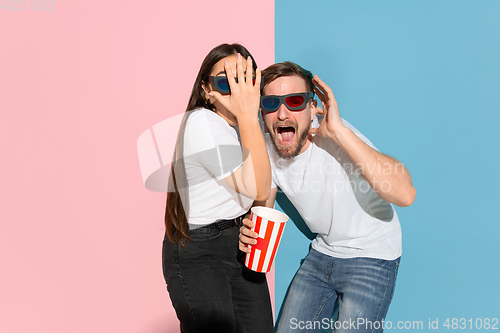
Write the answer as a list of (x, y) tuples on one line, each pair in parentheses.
[(221, 84), (294, 102)]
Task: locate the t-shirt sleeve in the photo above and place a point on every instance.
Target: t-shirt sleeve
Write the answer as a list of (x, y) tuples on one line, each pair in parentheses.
[(358, 134), (211, 143), (345, 160), (339, 154), (273, 182)]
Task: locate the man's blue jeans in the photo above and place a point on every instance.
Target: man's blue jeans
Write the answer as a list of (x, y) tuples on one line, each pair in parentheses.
[(363, 288)]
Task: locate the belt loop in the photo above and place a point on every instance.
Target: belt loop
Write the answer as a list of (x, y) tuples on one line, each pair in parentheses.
[(239, 220)]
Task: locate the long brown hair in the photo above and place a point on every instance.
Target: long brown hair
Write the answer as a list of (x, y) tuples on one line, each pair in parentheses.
[(177, 207)]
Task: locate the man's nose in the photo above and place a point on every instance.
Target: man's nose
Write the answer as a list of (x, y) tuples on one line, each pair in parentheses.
[(283, 112)]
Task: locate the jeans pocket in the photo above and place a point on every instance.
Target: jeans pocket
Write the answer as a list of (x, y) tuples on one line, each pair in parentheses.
[(201, 235)]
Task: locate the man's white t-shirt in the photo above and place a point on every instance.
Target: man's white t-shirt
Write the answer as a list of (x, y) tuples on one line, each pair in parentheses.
[(212, 152), (351, 220)]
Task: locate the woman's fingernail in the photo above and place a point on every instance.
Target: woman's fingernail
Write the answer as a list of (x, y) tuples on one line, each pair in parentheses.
[(239, 56)]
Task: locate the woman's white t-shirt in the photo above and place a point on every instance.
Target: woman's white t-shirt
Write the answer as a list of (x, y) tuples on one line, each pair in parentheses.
[(212, 151)]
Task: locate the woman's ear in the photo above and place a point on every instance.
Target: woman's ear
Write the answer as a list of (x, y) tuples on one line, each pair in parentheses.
[(205, 89)]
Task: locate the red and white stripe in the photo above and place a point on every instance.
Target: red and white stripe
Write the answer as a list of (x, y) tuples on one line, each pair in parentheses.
[(262, 254)]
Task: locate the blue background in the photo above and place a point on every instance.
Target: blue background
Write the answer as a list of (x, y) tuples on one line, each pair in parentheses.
[(421, 80)]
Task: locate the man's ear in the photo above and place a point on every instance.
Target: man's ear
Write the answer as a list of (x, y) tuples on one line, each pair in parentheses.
[(262, 117), (314, 105)]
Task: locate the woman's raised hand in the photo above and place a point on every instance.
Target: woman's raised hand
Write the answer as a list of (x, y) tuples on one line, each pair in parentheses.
[(244, 100)]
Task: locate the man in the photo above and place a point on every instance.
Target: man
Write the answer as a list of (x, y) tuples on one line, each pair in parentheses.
[(343, 188)]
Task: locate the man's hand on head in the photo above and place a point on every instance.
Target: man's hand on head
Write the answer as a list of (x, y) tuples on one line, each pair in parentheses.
[(331, 126)]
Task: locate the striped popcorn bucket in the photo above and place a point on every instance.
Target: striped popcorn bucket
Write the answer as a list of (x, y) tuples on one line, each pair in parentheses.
[(269, 224)]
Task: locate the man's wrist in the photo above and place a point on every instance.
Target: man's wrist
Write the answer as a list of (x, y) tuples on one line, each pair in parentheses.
[(340, 134)]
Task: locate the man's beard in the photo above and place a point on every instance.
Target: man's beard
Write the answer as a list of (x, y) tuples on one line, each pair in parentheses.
[(301, 141)]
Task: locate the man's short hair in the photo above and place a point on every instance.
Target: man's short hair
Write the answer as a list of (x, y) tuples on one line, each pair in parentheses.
[(286, 68)]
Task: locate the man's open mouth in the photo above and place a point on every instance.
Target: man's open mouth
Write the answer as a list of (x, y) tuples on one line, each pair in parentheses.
[(285, 134)]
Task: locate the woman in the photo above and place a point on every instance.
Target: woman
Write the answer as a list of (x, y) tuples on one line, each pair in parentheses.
[(220, 166)]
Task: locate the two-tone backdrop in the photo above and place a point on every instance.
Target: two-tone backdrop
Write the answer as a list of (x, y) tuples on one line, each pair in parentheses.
[(80, 236)]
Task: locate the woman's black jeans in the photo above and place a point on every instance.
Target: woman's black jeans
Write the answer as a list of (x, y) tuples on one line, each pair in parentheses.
[(210, 287)]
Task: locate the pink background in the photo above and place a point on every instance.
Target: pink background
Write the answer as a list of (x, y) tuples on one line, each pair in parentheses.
[(80, 237)]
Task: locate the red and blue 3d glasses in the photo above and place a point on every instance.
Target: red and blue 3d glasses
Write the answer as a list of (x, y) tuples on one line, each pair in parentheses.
[(294, 102), (221, 84)]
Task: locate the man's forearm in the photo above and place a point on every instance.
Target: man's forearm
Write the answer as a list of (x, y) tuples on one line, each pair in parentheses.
[(388, 177)]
